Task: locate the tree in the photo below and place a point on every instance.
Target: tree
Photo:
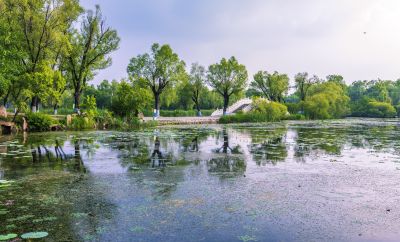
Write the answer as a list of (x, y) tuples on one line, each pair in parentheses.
[(129, 100), (184, 96), (157, 71), (303, 83), (90, 51), (273, 86), (197, 80), (40, 36), (326, 100), (228, 78)]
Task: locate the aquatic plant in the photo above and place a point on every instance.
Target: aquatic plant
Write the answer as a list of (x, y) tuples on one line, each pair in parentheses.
[(4, 237), (246, 238), (34, 235)]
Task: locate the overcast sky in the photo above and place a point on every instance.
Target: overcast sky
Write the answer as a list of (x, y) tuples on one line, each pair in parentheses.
[(359, 39)]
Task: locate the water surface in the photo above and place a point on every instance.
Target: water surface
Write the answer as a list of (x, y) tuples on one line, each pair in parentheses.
[(292, 181)]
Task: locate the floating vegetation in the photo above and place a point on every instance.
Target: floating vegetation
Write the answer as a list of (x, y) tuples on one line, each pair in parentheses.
[(3, 211), (47, 219), (137, 229), (79, 215), (7, 237), (11, 226), (246, 238), (5, 183), (21, 218), (34, 235)]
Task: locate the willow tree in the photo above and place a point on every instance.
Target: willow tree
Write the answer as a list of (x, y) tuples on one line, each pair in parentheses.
[(303, 84), (91, 47), (158, 71), (272, 86), (228, 78)]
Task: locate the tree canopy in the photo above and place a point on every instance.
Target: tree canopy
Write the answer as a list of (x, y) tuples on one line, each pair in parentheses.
[(272, 86), (228, 78), (157, 71)]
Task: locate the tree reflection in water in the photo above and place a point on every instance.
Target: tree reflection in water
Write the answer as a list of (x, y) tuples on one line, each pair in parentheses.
[(226, 147), (229, 162), (157, 159)]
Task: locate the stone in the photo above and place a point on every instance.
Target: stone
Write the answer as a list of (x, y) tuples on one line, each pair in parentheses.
[(3, 112), (141, 116), (69, 120), (24, 124)]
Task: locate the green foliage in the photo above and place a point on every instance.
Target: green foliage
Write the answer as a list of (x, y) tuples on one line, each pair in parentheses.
[(296, 116), (264, 111), (90, 106), (295, 108), (374, 98), (227, 78), (180, 113), (90, 50), (39, 121), (374, 109), (157, 71), (381, 110), (326, 100), (250, 117), (82, 123), (197, 82), (303, 84), (273, 110), (272, 86), (129, 100)]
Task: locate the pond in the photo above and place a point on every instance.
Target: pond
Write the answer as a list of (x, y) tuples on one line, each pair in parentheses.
[(290, 181)]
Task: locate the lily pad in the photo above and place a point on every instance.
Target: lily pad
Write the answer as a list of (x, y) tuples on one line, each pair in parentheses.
[(34, 235), (4, 237)]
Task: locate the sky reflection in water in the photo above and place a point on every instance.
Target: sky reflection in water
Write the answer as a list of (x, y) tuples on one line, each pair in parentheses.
[(286, 181)]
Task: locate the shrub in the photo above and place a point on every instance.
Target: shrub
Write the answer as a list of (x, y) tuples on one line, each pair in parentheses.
[(296, 116), (251, 117), (179, 113), (264, 111), (380, 110), (39, 121), (90, 107), (273, 110), (82, 123), (294, 108)]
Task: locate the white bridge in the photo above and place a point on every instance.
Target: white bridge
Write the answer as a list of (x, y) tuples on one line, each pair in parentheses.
[(241, 105)]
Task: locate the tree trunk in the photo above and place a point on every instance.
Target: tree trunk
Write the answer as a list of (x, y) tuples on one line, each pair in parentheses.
[(198, 109), (226, 103), (34, 104), (77, 98), (55, 109), (156, 112)]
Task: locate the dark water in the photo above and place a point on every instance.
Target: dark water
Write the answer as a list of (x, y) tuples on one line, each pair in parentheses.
[(296, 181)]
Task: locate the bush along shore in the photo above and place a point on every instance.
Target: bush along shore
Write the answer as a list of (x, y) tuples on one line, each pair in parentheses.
[(41, 122)]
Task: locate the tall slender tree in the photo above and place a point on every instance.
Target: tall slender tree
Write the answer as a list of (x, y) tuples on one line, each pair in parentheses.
[(197, 82), (91, 47), (158, 71), (228, 78), (303, 83)]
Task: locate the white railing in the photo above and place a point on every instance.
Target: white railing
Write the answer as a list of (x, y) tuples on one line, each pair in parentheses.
[(233, 108)]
